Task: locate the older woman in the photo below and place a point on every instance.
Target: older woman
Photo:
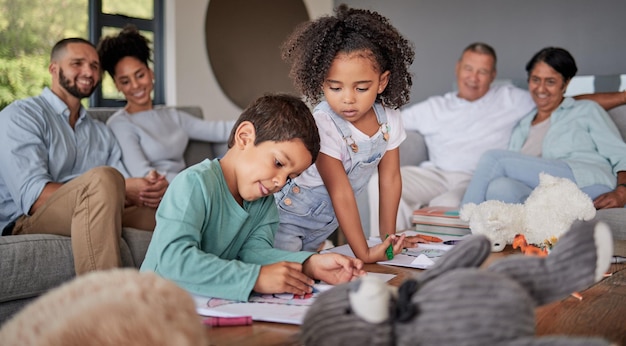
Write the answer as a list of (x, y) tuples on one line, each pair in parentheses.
[(574, 139)]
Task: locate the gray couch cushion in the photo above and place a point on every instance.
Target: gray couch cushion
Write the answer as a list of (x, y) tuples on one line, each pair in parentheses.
[(35, 263), (136, 241), (38, 262), (413, 150), (618, 114)]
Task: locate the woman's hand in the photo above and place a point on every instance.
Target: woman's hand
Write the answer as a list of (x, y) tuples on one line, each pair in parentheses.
[(147, 191), (613, 199)]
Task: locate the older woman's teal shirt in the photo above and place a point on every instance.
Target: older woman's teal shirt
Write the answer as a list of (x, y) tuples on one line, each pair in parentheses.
[(583, 135)]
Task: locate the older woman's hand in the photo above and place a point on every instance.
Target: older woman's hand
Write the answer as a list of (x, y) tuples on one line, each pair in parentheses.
[(613, 199)]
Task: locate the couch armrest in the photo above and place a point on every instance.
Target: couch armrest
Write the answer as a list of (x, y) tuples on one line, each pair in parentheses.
[(618, 114)]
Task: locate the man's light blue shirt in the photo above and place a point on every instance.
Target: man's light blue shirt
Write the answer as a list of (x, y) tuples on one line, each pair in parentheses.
[(39, 146)]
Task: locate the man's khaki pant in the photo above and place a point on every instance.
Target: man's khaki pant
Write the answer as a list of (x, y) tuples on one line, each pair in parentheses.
[(90, 209)]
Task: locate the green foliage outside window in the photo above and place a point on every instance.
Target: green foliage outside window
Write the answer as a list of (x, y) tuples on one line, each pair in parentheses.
[(29, 29)]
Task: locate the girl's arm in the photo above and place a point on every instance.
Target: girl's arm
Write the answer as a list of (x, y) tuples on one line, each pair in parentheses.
[(342, 196), (390, 187)]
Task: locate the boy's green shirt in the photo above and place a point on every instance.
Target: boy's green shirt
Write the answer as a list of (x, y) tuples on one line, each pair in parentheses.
[(206, 242)]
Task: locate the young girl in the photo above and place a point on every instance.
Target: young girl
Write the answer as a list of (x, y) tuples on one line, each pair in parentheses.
[(359, 63)]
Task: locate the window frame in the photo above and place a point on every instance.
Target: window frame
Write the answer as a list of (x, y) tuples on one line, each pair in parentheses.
[(98, 20)]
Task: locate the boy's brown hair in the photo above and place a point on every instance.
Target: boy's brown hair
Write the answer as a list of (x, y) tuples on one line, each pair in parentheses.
[(280, 118)]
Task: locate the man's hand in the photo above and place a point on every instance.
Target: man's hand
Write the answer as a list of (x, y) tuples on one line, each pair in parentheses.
[(613, 199), (147, 191), (333, 268), (47, 191), (283, 277)]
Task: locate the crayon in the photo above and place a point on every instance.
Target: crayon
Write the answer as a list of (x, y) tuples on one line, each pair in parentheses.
[(389, 250), (430, 238), (227, 321)]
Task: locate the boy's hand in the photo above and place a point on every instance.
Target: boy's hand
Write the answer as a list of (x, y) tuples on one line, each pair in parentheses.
[(333, 268), (283, 277)]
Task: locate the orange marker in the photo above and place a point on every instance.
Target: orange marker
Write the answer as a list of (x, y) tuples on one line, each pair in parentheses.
[(430, 238)]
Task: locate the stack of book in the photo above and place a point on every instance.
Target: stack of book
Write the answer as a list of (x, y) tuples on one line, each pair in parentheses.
[(443, 220)]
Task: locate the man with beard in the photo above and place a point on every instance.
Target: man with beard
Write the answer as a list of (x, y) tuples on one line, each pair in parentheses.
[(61, 171)]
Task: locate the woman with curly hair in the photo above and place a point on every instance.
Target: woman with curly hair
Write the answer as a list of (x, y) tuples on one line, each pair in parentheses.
[(153, 139), (358, 62)]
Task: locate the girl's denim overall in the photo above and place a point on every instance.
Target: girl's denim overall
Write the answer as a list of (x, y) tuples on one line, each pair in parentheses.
[(307, 216)]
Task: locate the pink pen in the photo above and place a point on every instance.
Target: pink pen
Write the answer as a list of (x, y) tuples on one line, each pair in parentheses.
[(227, 321)]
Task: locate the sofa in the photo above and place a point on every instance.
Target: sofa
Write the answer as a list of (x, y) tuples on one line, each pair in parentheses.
[(413, 151), (32, 264)]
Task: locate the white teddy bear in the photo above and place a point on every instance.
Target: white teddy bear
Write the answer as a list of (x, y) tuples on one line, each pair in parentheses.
[(548, 212)]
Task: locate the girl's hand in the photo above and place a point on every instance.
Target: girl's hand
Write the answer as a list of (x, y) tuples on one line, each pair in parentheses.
[(379, 252), (412, 241)]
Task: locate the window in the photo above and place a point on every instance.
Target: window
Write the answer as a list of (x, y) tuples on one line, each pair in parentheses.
[(109, 17), (31, 29), (28, 30)]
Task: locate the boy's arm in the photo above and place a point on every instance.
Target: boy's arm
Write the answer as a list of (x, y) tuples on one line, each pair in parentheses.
[(184, 245), (342, 196), (258, 247), (290, 274), (281, 271)]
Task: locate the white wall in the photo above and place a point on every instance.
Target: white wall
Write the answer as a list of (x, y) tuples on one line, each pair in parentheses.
[(188, 76), (592, 30)]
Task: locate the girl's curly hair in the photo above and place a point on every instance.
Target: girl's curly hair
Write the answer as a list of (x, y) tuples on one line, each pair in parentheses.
[(129, 42), (312, 47)]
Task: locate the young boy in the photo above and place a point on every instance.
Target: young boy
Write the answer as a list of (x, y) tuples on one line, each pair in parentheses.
[(216, 223)]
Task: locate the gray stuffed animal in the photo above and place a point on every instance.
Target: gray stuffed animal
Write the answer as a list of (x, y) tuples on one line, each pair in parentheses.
[(456, 303)]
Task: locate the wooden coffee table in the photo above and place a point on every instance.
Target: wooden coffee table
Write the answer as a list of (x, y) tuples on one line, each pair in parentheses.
[(601, 312)]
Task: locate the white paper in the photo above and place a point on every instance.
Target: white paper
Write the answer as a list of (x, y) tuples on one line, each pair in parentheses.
[(280, 308), (423, 260)]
